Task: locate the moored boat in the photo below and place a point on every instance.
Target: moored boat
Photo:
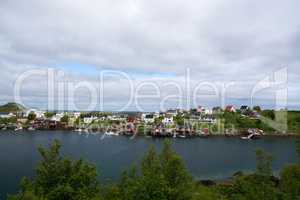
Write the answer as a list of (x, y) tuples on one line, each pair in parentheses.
[(253, 134), (31, 129), (18, 128)]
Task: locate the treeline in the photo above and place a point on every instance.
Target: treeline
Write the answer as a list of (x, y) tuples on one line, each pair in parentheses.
[(238, 121), (160, 176)]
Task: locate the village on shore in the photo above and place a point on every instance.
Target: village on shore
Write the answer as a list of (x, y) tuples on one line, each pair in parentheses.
[(199, 121)]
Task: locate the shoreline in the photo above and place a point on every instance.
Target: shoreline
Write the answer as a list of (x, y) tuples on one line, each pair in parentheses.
[(266, 135)]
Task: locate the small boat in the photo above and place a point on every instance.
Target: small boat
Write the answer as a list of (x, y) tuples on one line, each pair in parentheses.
[(116, 134), (78, 130), (110, 133), (253, 134), (182, 136), (251, 137), (18, 128), (247, 137), (31, 129)]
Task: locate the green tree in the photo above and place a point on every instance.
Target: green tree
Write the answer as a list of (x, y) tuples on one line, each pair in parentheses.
[(152, 184), (77, 122), (60, 178), (128, 185), (179, 119), (158, 120), (12, 120), (257, 108), (290, 182), (26, 192), (49, 114), (31, 116), (162, 176), (269, 114), (179, 181), (65, 119), (253, 187), (259, 185), (27, 195)]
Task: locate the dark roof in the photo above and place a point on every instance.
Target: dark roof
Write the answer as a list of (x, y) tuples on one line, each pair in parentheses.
[(244, 107)]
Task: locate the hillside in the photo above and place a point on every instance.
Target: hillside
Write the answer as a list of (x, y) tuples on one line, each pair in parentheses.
[(12, 107)]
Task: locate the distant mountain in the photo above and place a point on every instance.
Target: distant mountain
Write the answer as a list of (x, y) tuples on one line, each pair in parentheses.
[(12, 107)]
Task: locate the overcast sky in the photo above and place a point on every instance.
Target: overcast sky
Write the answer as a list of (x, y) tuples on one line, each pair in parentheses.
[(164, 43)]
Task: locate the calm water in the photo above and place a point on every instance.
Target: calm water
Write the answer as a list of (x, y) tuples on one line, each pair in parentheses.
[(210, 158)]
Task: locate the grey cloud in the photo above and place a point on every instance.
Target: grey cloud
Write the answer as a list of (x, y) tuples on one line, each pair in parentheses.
[(218, 40)]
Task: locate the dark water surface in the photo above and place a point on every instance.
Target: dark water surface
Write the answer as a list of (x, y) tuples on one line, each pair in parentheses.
[(206, 158)]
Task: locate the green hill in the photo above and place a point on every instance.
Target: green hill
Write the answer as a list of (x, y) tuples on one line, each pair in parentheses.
[(12, 107)]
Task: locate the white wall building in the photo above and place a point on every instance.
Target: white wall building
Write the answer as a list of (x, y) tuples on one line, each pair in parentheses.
[(149, 117), (77, 114), (38, 114), (88, 120), (168, 120), (117, 117), (57, 117), (201, 109), (208, 111)]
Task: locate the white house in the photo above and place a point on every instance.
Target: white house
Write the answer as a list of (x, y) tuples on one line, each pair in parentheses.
[(76, 114), (201, 109), (149, 117), (57, 117), (88, 120), (208, 111), (168, 120), (117, 117)]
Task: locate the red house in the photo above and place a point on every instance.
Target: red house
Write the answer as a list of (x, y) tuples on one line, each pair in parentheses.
[(230, 108)]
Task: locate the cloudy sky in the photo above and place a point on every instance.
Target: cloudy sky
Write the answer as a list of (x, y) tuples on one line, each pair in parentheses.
[(159, 54)]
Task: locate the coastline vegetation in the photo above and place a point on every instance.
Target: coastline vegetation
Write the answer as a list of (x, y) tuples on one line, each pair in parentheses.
[(217, 122), (159, 176)]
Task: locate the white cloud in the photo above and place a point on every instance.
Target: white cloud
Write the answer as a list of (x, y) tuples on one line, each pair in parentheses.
[(219, 40)]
